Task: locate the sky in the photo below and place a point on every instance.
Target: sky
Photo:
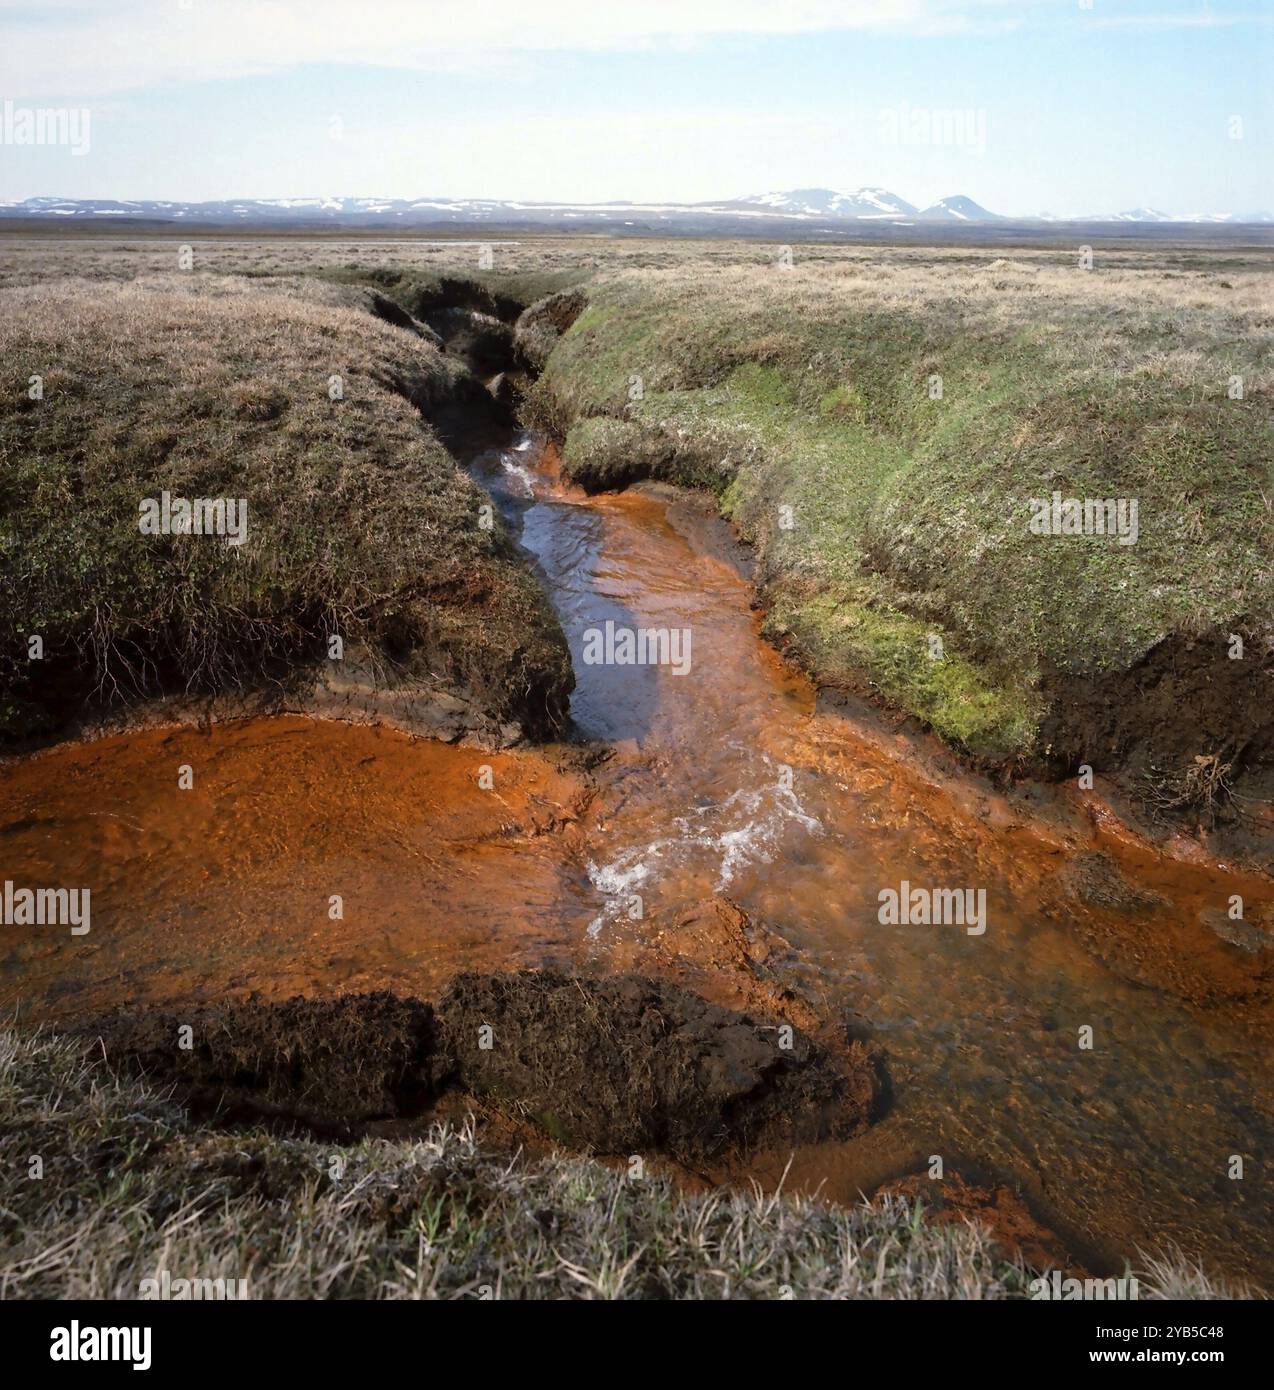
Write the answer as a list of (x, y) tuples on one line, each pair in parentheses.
[(1070, 107)]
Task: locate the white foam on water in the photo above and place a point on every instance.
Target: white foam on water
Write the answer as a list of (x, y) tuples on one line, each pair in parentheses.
[(617, 880), (743, 830), (620, 876), (519, 471), (766, 812)]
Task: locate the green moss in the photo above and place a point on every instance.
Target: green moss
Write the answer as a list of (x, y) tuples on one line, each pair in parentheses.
[(845, 402), (882, 457), (908, 664)]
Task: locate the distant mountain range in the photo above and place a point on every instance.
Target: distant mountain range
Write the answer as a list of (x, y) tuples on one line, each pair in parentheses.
[(861, 204), (808, 209), (1154, 215), (800, 205)]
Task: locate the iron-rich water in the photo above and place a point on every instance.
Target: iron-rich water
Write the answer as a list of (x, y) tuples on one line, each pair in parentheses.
[(725, 780), (730, 782)]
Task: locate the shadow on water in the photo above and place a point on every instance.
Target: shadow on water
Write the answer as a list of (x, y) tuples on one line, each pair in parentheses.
[(567, 542)]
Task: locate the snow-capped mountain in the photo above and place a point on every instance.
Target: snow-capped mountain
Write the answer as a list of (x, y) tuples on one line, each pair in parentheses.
[(799, 212), (823, 205), (957, 209), (825, 202), (1142, 215)]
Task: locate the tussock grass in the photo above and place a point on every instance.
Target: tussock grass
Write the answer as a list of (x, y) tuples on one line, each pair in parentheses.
[(359, 521), (810, 389), (130, 1187)]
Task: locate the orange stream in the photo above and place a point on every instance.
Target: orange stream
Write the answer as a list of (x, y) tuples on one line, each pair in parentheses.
[(725, 780)]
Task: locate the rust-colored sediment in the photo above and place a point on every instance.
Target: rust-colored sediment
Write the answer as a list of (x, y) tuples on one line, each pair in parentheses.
[(225, 889), (737, 841)]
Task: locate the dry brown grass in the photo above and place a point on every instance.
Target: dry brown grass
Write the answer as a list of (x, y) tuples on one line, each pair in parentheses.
[(360, 522)]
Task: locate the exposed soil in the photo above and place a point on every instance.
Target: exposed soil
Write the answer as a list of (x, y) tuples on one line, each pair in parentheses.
[(627, 1063), (1184, 700), (613, 1065), (328, 1065), (484, 342), (446, 292)]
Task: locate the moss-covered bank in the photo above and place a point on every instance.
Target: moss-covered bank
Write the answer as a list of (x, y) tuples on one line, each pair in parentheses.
[(878, 423)]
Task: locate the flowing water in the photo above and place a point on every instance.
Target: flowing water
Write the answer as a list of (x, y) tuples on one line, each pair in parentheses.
[(725, 779)]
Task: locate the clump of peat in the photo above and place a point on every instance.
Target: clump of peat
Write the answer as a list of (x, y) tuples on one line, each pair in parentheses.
[(325, 1065), (609, 1064), (629, 1062)]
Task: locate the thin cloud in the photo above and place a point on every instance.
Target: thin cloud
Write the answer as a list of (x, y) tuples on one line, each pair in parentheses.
[(73, 50), (119, 45), (1202, 19)]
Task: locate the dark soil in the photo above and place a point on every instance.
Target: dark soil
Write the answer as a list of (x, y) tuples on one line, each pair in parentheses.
[(627, 1063), (483, 341), (615, 1065), (1184, 699), (326, 1065), (429, 296)]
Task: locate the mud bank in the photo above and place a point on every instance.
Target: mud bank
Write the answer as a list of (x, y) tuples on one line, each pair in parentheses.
[(617, 1065), (999, 1210)]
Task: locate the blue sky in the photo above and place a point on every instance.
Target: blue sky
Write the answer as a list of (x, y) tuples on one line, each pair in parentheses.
[(1056, 106)]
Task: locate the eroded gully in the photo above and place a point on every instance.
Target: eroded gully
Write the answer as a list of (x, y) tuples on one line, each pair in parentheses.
[(725, 780)]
